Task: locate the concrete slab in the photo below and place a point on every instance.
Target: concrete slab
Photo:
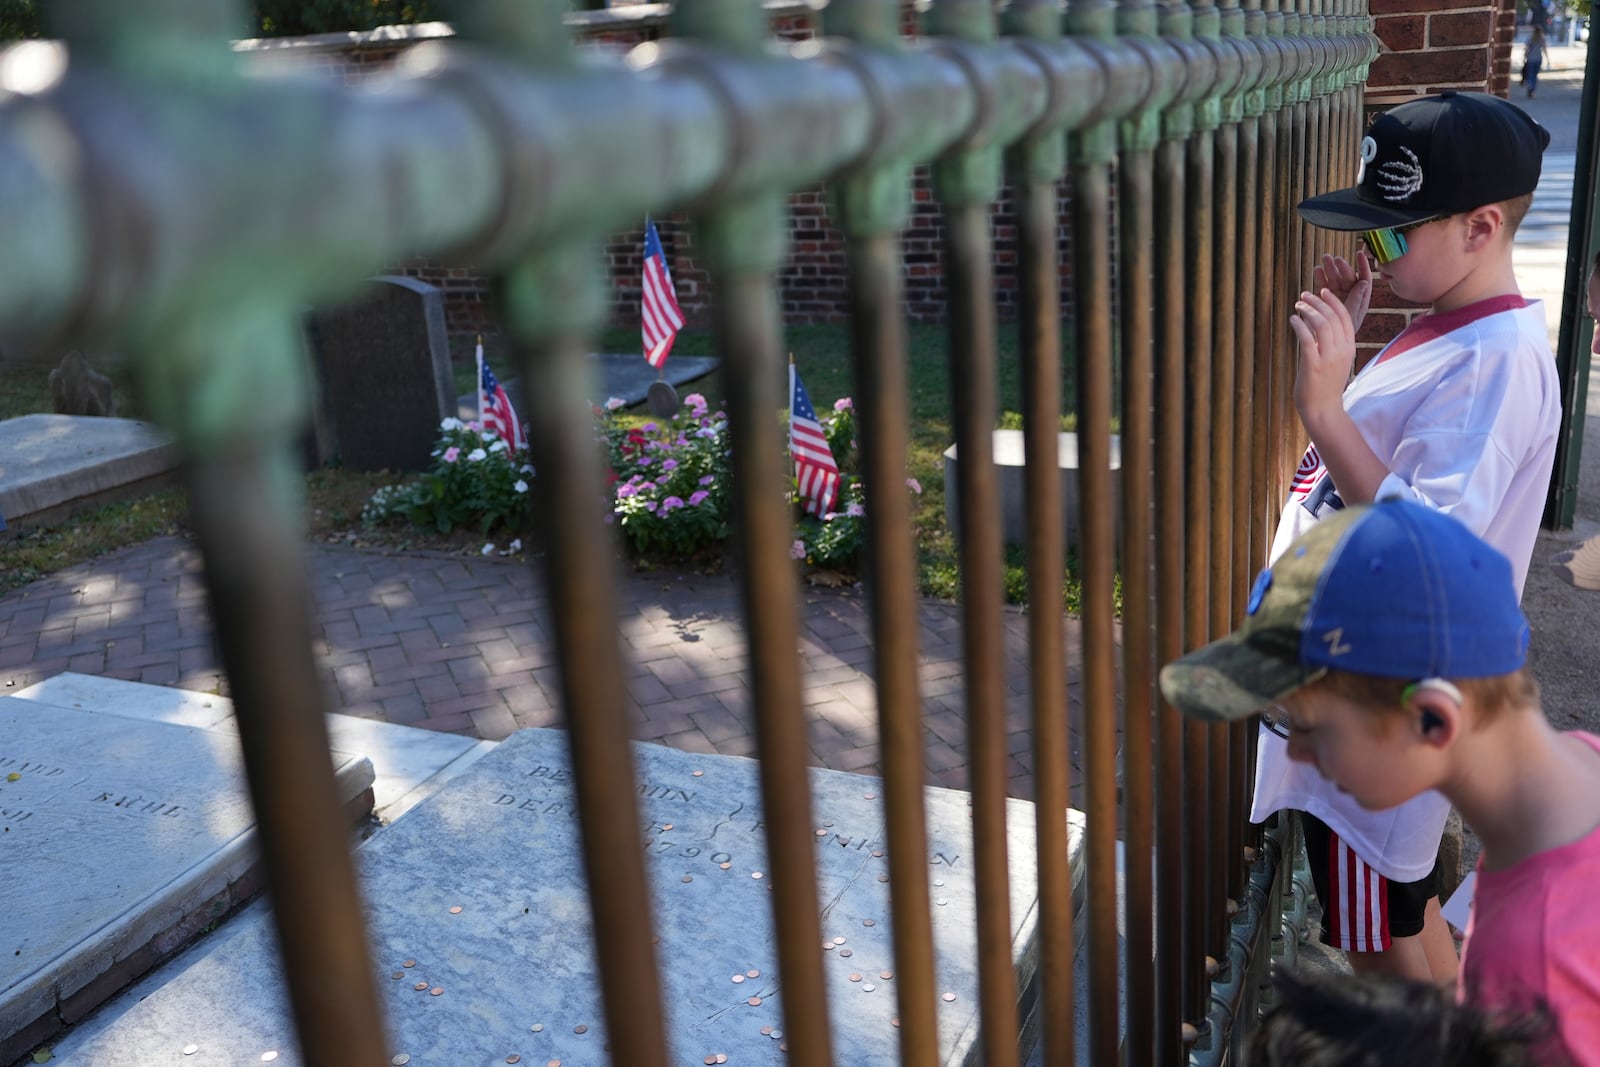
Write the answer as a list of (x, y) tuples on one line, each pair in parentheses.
[(409, 763), (52, 466), (122, 839), (624, 375), (511, 974)]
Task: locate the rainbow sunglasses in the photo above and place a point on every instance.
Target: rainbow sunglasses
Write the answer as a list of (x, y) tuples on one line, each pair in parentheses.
[(1389, 244)]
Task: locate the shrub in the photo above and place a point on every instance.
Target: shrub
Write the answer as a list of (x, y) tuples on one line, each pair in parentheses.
[(669, 480), (477, 481)]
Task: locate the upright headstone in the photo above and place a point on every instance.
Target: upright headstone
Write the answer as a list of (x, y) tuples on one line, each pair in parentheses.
[(78, 389), (385, 359)]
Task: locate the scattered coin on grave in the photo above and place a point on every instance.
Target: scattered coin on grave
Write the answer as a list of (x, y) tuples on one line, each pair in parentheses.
[(581, 1028), (822, 833), (827, 946), (420, 986), (895, 1021), (688, 878), (400, 1059), (838, 941), (755, 874), (268, 1057), (938, 881), (886, 975), (855, 978), (766, 1031), (513, 1058), (709, 1060), (725, 866), (869, 987), (877, 853), (754, 1002), (883, 877), (697, 774), (436, 991), (666, 826), (949, 997), (552, 1063), (397, 975), (846, 952), (538, 1028), (828, 823), (738, 978), (777, 1035), (456, 910), (190, 1050), (941, 902), (869, 922), (869, 796), (408, 963), (722, 1057)]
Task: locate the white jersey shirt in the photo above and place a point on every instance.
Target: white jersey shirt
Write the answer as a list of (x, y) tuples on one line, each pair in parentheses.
[(1464, 409)]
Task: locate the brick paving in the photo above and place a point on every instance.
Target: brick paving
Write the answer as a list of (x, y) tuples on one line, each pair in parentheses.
[(465, 646)]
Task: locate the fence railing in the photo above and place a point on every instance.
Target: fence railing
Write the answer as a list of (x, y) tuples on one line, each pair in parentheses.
[(151, 194)]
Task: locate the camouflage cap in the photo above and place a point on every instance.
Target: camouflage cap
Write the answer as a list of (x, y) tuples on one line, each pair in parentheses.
[(1392, 589)]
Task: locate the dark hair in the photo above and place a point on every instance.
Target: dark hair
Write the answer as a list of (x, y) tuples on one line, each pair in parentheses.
[(1374, 1021)]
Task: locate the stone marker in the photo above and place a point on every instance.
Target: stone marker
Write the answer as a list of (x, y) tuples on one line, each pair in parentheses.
[(53, 466), (476, 901), (385, 359), (78, 389), (1009, 461), (121, 839)]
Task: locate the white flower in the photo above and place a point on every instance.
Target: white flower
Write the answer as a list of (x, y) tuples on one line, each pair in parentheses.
[(515, 545), (520, 486), (487, 436), (450, 424), (488, 549), (476, 455), (615, 402), (498, 446), (527, 468)]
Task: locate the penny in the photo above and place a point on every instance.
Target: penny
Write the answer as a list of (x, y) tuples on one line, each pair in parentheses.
[(766, 1031), (688, 878), (725, 866), (828, 823), (883, 877), (754, 1002), (895, 1021), (822, 833), (408, 963), (552, 1063), (755, 874), (838, 941), (949, 997), (845, 952), (400, 1059), (190, 1050), (869, 796), (538, 1028), (666, 826), (783, 1046), (698, 774), (869, 922), (844, 840), (581, 1028), (752, 973), (855, 978), (886, 975), (709, 1060), (420, 986), (398, 975), (513, 1058), (827, 946), (436, 991), (738, 978), (456, 910)]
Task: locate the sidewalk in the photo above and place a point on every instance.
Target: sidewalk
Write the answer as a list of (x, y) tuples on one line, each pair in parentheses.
[(465, 645)]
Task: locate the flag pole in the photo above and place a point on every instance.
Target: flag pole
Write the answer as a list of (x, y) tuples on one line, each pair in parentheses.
[(478, 387)]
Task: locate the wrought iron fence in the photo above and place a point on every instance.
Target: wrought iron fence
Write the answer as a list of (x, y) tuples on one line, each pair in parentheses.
[(154, 195)]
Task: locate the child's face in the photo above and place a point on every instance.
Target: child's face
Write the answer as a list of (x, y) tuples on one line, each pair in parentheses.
[(1373, 756), (1429, 268)]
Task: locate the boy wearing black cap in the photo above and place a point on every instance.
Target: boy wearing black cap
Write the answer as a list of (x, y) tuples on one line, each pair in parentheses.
[(1387, 647), (1460, 413)]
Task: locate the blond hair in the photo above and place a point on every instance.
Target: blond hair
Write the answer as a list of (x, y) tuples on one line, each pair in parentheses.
[(1386, 697)]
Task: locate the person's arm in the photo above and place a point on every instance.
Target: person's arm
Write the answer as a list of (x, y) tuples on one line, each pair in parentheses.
[(1327, 347)]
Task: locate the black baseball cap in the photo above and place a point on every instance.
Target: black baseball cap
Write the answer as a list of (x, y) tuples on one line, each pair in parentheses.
[(1436, 156)]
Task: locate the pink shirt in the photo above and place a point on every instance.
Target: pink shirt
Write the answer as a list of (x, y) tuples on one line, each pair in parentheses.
[(1534, 937)]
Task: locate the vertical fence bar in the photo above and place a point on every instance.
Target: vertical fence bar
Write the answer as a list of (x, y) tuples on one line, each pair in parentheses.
[(966, 183), (1037, 164), (536, 299), (872, 206), (1173, 877)]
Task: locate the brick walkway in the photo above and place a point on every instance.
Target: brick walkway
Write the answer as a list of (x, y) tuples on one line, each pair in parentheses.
[(465, 646)]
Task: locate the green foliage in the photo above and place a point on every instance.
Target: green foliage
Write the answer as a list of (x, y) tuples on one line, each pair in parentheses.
[(19, 19), (294, 18), (477, 481), (669, 480)]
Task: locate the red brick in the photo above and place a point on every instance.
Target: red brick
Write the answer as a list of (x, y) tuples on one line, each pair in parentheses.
[(1467, 66), (1402, 33), (1465, 28)]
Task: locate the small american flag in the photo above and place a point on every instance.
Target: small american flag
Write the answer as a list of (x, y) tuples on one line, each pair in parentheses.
[(494, 407), (814, 467), (659, 307), (1308, 473)]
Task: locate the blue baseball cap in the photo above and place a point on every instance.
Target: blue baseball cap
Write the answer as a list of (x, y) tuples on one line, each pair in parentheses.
[(1391, 589)]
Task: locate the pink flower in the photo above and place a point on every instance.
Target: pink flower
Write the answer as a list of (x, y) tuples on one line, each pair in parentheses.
[(451, 454), (797, 550), (855, 510), (843, 404), (708, 479), (913, 485), (698, 497), (669, 464), (671, 502)]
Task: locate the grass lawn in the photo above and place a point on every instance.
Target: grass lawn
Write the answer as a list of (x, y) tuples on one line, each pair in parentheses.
[(335, 496)]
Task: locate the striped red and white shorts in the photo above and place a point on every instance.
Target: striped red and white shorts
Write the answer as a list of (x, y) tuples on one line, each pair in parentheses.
[(1361, 909)]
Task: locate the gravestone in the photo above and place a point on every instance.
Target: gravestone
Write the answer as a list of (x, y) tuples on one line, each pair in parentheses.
[(481, 939), (121, 840), (385, 362), (1010, 465), (78, 389), (54, 466)]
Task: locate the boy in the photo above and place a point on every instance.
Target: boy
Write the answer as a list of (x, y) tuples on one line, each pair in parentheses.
[(1460, 413), (1387, 646)]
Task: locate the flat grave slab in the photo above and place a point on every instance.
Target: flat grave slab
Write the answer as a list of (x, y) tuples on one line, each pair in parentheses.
[(121, 839), (481, 934), (624, 375), (408, 763), (54, 465)]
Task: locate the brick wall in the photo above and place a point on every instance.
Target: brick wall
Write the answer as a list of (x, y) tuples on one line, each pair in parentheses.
[(1429, 45)]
